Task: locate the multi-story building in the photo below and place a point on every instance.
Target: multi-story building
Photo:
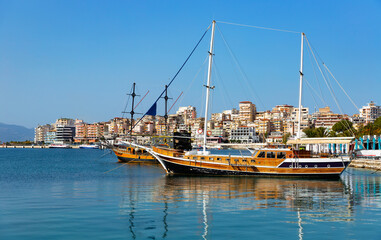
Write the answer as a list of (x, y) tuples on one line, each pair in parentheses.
[(247, 111), (65, 130), (263, 126), (93, 132), (357, 121), (370, 113), (187, 113), (284, 108), (295, 119), (50, 137), (244, 135), (276, 125), (282, 111), (80, 131), (40, 133), (65, 133), (326, 118), (65, 121)]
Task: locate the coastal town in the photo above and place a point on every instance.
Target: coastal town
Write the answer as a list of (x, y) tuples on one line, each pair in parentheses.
[(190, 120), (243, 125)]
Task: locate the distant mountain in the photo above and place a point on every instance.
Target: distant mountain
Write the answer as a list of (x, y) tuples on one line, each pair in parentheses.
[(15, 133)]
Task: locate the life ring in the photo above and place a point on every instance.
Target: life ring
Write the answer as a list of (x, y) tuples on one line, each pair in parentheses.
[(199, 131), (208, 132)]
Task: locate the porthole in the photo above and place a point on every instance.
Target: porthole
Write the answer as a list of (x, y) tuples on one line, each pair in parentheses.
[(300, 166), (290, 166), (328, 166), (315, 166), (306, 166)]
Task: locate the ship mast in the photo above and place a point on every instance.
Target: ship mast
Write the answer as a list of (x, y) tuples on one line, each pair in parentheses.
[(300, 89), (166, 107), (208, 87), (133, 95)]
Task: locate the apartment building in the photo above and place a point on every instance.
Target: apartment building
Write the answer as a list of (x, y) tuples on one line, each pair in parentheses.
[(247, 111), (370, 112)]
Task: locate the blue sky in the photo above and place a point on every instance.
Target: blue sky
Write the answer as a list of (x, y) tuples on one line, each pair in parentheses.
[(78, 59)]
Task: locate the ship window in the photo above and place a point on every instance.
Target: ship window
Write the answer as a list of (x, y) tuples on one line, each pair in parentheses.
[(270, 154), (219, 159), (202, 158), (211, 159), (281, 155), (236, 160), (244, 160), (262, 154), (195, 158), (253, 161)]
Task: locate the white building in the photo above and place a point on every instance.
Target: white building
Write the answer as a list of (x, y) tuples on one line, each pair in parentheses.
[(371, 112), (244, 135)]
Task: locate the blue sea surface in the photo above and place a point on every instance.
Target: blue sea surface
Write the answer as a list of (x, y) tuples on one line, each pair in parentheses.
[(86, 194)]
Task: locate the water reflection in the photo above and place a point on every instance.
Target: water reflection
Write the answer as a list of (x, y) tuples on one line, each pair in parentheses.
[(312, 201)]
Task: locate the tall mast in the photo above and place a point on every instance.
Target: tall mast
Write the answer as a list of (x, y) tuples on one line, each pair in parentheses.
[(166, 111), (300, 88), (208, 83), (132, 107)]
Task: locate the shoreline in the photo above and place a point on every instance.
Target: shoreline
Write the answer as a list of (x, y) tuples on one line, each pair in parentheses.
[(366, 163)]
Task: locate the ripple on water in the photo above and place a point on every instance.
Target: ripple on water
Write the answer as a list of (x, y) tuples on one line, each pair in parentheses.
[(75, 194)]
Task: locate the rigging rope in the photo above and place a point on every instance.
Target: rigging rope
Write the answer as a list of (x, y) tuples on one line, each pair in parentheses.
[(265, 28), (140, 100), (312, 91), (317, 81), (341, 87), (177, 73), (218, 77), (194, 78), (128, 100), (244, 76), (329, 87)]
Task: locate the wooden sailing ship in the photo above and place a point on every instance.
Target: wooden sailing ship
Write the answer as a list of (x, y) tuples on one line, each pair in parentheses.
[(266, 162), (130, 153)]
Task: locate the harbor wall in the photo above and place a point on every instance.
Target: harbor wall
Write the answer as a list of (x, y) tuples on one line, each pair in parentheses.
[(366, 163)]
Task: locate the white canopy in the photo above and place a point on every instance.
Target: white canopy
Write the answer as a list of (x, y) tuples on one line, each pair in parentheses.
[(336, 140)]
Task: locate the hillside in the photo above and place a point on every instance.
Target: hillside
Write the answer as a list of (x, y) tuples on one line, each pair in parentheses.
[(15, 133)]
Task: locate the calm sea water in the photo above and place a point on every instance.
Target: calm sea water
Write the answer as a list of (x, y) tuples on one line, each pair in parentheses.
[(77, 194)]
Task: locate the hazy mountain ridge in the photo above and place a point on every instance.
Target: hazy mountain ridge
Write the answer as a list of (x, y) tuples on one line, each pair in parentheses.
[(10, 132)]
